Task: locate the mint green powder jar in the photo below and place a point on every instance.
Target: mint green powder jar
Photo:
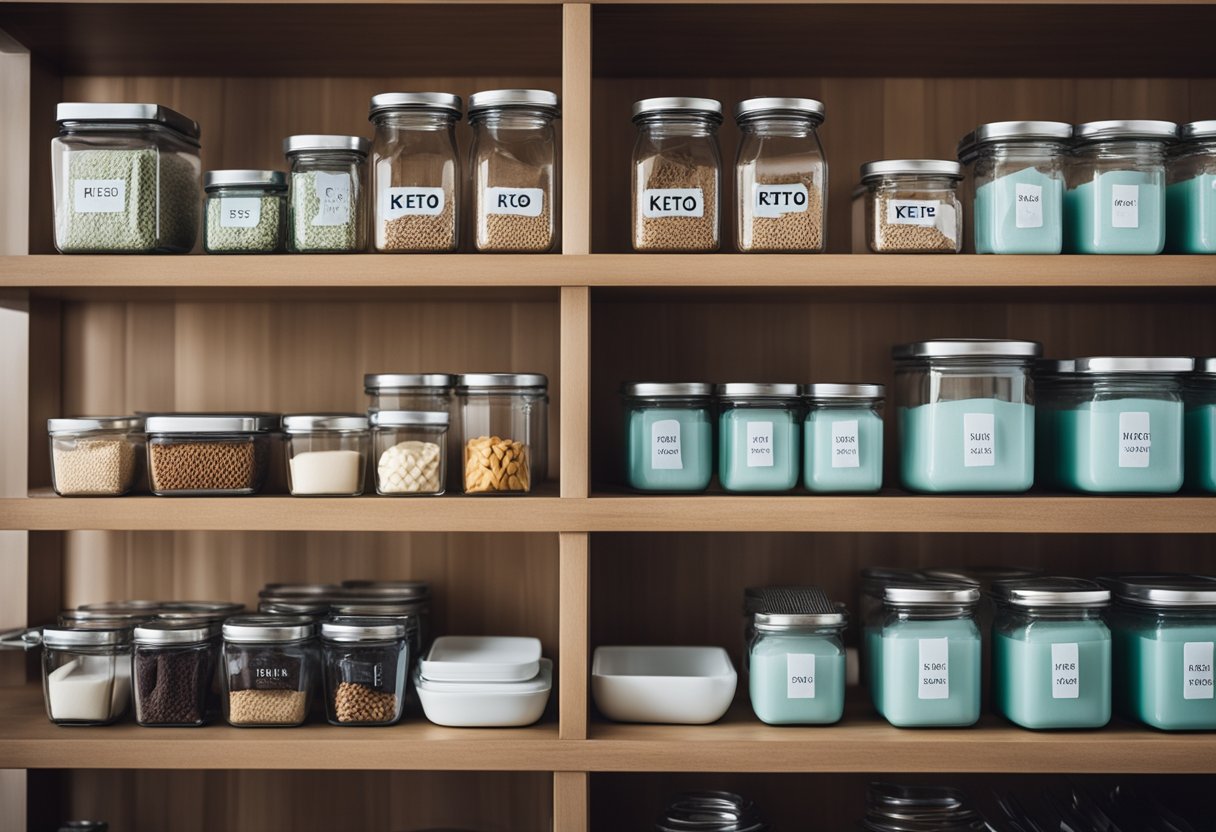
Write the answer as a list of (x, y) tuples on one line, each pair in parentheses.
[(872, 613), (668, 436), (759, 435), (842, 438), (1051, 653), (1199, 395), (1049, 376), (1190, 193), (797, 661)]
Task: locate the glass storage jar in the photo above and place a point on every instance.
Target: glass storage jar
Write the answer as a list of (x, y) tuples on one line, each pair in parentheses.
[(870, 610), (897, 808), (246, 211), (411, 613), (711, 812), (86, 673), (409, 391), (668, 436), (514, 170), (797, 660), (96, 456), (173, 672), (1119, 424), (326, 453), (365, 663), (268, 666), (1050, 376), (411, 452), (1051, 653), (781, 176), (1199, 394), (1190, 193), (1164, 629), (1115, 202), (1016, 176), (966, 414), (504, 423), (206, 454), (758, 436), (930, 656), (677, 175), (325, 203), (415, 176), (843, 437), (125, 179), (911, 206)]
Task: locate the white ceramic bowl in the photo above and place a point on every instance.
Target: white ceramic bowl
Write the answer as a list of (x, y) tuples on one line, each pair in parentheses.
[(681, 685), (486, 704)]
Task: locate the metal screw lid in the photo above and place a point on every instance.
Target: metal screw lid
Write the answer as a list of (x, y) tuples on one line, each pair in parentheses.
[(409, 418), (1206, 366), (362, 629), (270, 180), (310, 607), (379, 607), (319, 143), (931, 594), (911, 167), (212, 423), (298, 589), (710, 107), (85, 636), (968, 348), (514, 98), (268, 629), (660, 389), (324, 422), (378, 382), (844, 391), (1133, 364), (1162, 590), (756, 108), (1099, 131), (70, 113), (982, 576), (171, 632), (391, 102), (469, 381), (214, 607), (1013, 131), (1198, 130), (745, 390), (80, 424), (138, 606), (1051, 592), (400, 589)]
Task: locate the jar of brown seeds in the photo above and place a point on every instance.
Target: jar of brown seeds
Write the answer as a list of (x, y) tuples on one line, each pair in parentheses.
[(911, 206), (209, 453)]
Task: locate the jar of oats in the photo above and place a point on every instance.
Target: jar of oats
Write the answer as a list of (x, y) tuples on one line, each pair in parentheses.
[(325, 202), (911, 206), (677, 174), (514, 162), (415, 175), (781, 176), (96, 456)]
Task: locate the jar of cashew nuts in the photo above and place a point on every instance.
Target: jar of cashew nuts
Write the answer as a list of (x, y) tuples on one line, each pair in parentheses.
[(504, 420), (411, 453)]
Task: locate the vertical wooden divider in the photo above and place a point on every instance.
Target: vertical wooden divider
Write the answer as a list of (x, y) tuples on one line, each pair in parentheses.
[(576, 128), (571, 801)]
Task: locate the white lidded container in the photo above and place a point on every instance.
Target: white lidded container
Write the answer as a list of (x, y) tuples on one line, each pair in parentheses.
[(484, 681), (677, 685)]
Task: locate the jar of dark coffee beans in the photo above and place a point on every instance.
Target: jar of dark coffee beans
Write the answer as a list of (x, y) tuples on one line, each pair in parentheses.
[(173, 672)]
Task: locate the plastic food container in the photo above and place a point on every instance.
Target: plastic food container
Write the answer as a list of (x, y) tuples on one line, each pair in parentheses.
[(411, 452), (966, 414), (668, 436), (1115, 202), (504, 421), (781, 176), (677, 174), (365, 664), (95, 456), (910, 206), (409, 391), (269, 665), (125, 178), (1190, 193), (1051, 653), (489, 682), (174, 668), (246, 212), (326, 454), (86, 674), (758, 436), (797, 664), (325, 204), (1016, 175), (843, 439), (676, 685), (1199, 394), (209, 454)]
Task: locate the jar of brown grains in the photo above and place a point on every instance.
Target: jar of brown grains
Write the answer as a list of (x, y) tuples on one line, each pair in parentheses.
[(910, 206), (209, 453), (96, 456), (365, 663)]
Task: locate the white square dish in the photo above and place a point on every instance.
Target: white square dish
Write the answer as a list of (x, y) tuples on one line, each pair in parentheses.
[(678, 685), (482, 659), (486, 704)]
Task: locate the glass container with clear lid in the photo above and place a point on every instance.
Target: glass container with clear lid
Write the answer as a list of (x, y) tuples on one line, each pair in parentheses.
[(911, 206), (504, 423), (86, 673), (326, 453), (409, 391), (325, 204), (1199, 395), (758, 436), (209, 454), (411, 451), (98, 456), (246, 211), (365, 663), (269, 663), (843, 440), (173, 672), (668, 435), (1190, 192)]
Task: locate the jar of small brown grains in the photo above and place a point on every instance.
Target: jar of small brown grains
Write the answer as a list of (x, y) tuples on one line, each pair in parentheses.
[(911, 206)]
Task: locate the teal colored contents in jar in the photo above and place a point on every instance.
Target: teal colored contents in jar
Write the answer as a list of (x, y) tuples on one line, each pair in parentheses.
[(1200, 443), (1120, 212), (669, 449), (970, 445), (1121, 446), (931, 673), (843, 450), (758, 449), (1054, 674), (1191, 215), (797, 679), (1164, 674), (1020, 213), (873, 658)]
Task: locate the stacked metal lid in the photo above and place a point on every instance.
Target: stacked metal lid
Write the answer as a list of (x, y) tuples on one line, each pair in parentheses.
[(895, 808), (711, 812)]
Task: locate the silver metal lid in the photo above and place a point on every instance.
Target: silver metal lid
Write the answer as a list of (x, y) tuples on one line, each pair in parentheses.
[(143, 605), (379, 607), (332, 422), (744, 390), (216, 608), (85, 636), (212, 423), (660, 389), (1098, 131), (270, 180), (1207, 366), (676, 104), (968, 348), (311, 607), (400, 589), (753, 108), (389, 102), (844, 391), (315, 142), (116, 618), (911, 167), (268, 629), (526, 99), (80, 424), (298, 589), (77, 112), (786, 621), (1198, 130), (1055, 366), (1162, 590), (981, 576), (931, 595), (386, 381), (468, 380), (1134, 364), (409, 418), (170, 632), (1051, 592), (362, 629), (1013, 131)]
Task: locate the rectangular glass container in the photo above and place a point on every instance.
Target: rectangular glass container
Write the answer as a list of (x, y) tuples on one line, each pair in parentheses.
[(1190, 192), (326, 454), (797, 664), (758, 437), (98, 456), (504, 425), (326, 209), (668, 436), (209, 454), (86, 673), (911, 206), (410, 451), (1199, 440), (268, 666), (245, 212), (843, 438), (365, 664), (173, 672)]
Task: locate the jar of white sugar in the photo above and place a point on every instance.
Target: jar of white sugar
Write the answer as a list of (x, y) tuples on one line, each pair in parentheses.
[(411, 452), (96, 456), (326, 454), (126, 179), (86, 674), (325, 203), (911, 206)]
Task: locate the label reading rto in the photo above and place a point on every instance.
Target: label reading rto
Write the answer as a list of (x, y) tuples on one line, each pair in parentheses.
[(412, 202), (1197, 680), (240, 212), (333, 191), (1135, 439), (979, 440), (800, 676), (759, 444), (1125, 206), (1029, 213), (665, 445), (845, 453), (519, 202), (1065, 671), (99, 196), (934, 669), (672, 202), (779, 200)]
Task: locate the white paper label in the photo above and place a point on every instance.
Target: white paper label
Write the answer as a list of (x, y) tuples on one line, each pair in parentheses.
[(1125, 206), (240, 212), (1029, 212), (1197, 681), (411, 202), (1065, 671), (333, 191), (934, 681), (845, 452), (979, 440), (779, 200), (924, 212), (99, 196), (1135, 439), (673, 202), (759, 444), (800, 676), (665, 445), (519, 202)]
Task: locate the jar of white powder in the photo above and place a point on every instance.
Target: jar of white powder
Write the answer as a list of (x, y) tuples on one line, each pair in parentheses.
[(326, 454), (86, 674)]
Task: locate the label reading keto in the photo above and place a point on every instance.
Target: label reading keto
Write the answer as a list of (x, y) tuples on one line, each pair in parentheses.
[(1065, 671), (412, 202), (99, 196), (240, 212), (759, 444), (1029, 213), (934, 675), (665, 445), (845, 452), (1125, 206), (1197, 680), (779, 200), (673, 202), (800, 676), (518, 202), (333, 194), (1135, 439), (922, 212), (979, 440)]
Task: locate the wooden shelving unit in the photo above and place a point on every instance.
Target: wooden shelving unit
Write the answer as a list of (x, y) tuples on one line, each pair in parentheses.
[(581, 562)]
